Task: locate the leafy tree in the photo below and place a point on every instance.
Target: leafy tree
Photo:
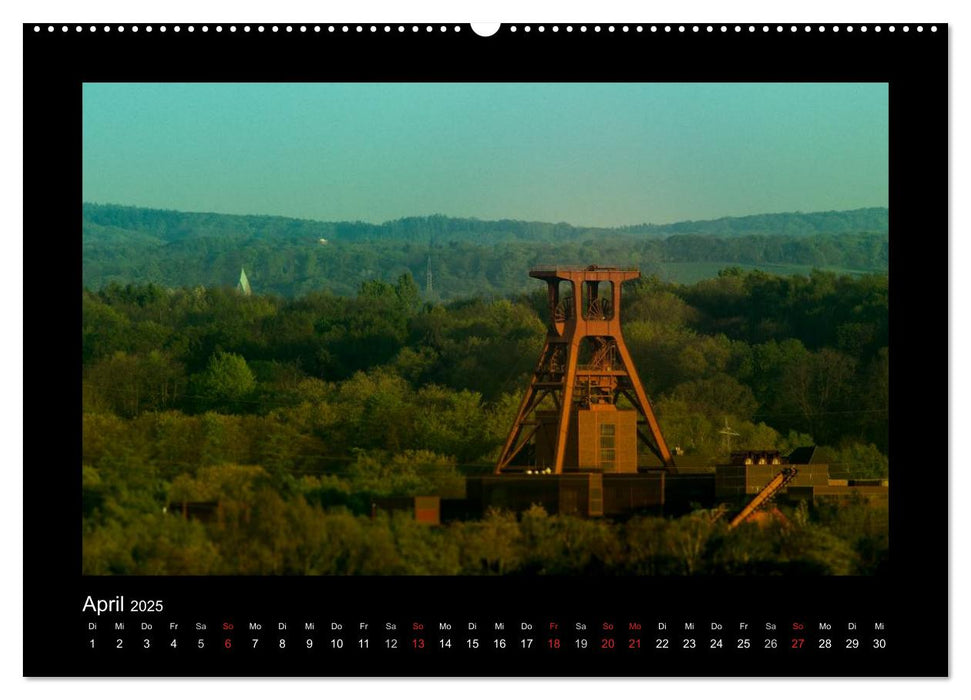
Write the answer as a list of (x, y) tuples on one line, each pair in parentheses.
[(343, 398), (490, 545), (228, 380)]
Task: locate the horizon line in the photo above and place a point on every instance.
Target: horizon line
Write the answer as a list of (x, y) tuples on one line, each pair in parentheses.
[(475, 218)]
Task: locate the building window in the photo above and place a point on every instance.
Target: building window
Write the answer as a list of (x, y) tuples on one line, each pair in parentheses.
[(607, 454)]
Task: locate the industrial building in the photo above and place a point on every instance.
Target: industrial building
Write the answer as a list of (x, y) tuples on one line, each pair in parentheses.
[(573, 446)]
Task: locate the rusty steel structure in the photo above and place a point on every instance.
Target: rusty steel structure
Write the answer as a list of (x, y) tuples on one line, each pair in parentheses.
[(766, 494), (572, 417)]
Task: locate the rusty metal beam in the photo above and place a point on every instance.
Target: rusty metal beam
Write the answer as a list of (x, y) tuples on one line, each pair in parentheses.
[(515, 450)]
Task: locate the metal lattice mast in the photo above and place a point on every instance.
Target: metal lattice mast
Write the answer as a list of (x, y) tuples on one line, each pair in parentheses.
[(729, 434)]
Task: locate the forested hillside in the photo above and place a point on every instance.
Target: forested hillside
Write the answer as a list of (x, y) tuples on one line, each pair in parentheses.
[(293, 413), (468, 257)]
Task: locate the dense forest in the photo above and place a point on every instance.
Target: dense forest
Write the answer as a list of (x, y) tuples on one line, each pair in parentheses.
[(293, 413), (467, 257)]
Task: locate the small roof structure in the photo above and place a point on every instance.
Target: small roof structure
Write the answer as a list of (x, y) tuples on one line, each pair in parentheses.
[(802, 455)]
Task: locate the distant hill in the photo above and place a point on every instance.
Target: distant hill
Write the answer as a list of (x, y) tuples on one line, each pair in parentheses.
[(874, 219), (170, 226), (469, 256)]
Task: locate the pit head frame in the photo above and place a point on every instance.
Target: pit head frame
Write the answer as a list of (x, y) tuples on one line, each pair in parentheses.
[(581, 314)]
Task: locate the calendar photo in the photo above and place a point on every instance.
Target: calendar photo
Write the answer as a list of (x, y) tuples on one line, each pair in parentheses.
[(485, 328)]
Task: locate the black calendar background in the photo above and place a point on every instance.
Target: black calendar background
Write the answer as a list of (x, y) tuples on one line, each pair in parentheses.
[(437, 602), (910, 599)]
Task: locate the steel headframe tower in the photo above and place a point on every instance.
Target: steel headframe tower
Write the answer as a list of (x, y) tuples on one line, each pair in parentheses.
[(584, 363)]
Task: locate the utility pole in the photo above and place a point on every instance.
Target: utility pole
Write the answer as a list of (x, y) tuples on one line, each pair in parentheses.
[(729, 434)]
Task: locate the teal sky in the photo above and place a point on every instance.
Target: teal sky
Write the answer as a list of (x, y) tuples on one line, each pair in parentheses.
[(587, 154)]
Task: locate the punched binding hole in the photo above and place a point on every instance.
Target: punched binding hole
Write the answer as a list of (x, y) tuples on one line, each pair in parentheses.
[(485, 29)]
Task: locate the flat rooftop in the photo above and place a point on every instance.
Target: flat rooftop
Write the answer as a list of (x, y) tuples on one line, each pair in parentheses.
[(583, 268)]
